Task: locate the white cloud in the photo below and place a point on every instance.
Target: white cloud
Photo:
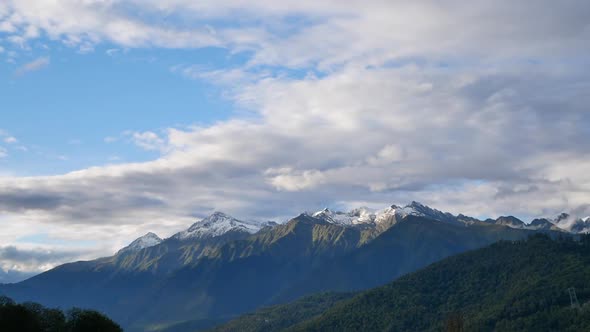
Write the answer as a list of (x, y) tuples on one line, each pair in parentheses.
[(286, 180), (112, 51), (110, 139), (3, 153), (148, 140), (33, 66), (10, 140), (478, 108)]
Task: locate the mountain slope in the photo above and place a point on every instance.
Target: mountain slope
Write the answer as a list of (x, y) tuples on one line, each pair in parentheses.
[(506, 287), (278, 317), (405, 247), (146, 241), (246, 274)]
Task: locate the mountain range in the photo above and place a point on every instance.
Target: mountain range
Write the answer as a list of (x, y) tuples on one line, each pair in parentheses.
[(508, 286), (221, 267)]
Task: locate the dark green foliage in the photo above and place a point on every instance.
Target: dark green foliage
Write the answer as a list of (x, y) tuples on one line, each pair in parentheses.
[(509, 286), (90, 321), (33, 317), (281, 316)]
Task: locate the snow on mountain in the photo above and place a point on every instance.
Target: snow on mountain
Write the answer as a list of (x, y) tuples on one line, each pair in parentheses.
[(365, 215), (421, 210), (218, 224), (361, 215), (146, 241)]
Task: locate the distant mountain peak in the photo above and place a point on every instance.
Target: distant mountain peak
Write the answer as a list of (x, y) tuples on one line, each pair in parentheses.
[(418, 209), (510, 221), (416, 204), (364, 215), (356, 216), (563, 216), (219, 223), (148, 240)]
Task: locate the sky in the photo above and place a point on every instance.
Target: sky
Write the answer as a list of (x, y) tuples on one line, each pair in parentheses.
[(119, 117)]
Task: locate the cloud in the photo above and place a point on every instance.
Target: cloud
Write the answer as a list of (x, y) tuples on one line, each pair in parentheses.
[(286, 179), (478, 109), (13, 259), (33, 66), (148, 140), (110, 139), (112, 52), (10, 140), (3, 152)]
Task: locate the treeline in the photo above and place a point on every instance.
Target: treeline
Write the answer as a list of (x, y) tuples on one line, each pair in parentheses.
[(33, 317)]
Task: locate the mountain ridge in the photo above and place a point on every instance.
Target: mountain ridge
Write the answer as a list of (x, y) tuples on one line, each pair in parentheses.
[(196, 278)]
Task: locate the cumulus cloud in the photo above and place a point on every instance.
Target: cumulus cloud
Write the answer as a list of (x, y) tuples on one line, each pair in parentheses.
[(478, 109)]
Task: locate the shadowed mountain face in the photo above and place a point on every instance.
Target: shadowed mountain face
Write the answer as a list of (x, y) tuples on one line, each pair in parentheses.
[(221, 267), (508, 286)]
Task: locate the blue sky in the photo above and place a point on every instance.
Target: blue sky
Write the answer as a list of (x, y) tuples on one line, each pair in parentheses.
[(127, 116), (68, 113)]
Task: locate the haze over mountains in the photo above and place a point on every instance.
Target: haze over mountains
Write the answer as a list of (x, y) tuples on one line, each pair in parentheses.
[(221, 267)]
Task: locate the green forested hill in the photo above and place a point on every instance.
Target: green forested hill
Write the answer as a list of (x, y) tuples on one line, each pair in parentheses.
[(508, 286), (278, 317)]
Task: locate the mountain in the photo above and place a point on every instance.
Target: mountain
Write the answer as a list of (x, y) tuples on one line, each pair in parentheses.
[(219, 224), (146, 241), (572, 224), (543, 224), (275, 318), (508, 286), (221, 267), (406, 246), (509, 221), (389, 216)]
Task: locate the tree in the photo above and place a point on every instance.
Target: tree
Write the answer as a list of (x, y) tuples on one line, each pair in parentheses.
[(455, 322), (90, 321)]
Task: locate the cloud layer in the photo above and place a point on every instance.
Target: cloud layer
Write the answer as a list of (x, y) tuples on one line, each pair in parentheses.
[(478, 108)]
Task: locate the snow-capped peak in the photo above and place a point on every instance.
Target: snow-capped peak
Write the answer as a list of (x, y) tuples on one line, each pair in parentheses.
[(421, 210), (357, 216), (146, 241), (365, 215), (218, 224)]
